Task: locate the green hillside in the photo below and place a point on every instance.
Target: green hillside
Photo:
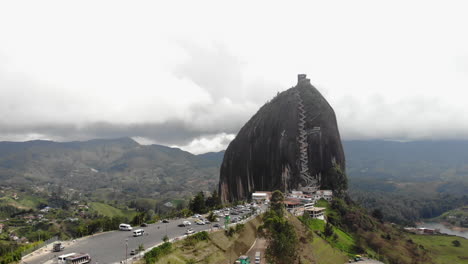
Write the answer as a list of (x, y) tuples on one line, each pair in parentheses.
[(110, 211), (455, 217), (442, 249)]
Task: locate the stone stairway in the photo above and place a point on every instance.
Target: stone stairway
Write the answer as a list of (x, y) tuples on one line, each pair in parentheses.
[(307, 179)]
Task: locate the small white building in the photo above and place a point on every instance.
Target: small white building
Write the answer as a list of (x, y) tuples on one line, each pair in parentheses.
[(315, 212), (259, 197), (323, 194)]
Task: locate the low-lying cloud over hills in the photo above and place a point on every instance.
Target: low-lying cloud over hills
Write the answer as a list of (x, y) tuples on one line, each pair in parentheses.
[(192, 76)]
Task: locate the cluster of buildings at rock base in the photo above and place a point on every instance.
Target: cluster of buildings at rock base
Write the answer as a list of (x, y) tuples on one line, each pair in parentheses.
[(300, 202)]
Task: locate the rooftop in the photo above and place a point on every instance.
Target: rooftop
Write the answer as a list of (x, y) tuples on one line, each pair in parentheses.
[(315, 209)]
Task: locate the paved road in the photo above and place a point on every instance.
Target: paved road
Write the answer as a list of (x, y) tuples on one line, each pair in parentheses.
[(259, 246), (110, 247)]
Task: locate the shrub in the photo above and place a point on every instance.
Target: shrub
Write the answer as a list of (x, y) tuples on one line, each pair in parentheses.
[(200, 236), (154, 254), (239, 228), (230, 232)]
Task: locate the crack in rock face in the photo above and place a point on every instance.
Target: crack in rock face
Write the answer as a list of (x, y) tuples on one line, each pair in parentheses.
[(292, 142)]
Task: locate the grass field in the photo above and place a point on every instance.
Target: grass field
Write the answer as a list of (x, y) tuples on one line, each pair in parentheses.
[(324, 253), (343, 240), (442, 249), (313, 248), (24, 201), (110, 211)]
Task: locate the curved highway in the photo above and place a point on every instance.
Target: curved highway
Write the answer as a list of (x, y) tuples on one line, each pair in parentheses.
[(115, 246)]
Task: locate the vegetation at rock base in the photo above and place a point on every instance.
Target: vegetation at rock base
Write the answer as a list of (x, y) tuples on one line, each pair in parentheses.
[(336, 180)]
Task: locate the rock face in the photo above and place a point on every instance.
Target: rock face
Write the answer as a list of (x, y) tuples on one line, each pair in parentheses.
[(292, 142)]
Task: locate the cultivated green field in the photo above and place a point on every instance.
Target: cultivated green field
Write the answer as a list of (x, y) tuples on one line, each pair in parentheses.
[(24, 201), (442, 249)]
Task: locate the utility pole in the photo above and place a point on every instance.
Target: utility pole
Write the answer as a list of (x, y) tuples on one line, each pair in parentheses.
[(126, 250)]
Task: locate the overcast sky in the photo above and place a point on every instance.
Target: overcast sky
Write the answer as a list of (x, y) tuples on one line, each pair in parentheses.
[(190, 74)]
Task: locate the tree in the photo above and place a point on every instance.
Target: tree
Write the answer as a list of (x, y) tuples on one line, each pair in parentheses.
[(456, 243), (211, 217), (280, 234), (328, 230), (213, 201), (377, 214), (282, 241), (150, 215), (197, 205), (141, 248), (138, 219), (277, 199), (335, 180)]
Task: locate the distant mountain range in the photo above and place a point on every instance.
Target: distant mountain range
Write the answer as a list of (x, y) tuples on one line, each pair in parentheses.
[(108, 166), (443, 163), (118, 168)]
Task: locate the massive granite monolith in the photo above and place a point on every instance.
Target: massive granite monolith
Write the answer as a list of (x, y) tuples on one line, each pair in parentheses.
[(291, 143)]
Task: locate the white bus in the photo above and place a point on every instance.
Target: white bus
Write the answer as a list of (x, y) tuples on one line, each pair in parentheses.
[(62, 259), (138, 232), (74, 258), (125, 227), (78, 259)]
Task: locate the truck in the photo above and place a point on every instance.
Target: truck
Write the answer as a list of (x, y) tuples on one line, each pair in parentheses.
[(243, 260), (57, 247)]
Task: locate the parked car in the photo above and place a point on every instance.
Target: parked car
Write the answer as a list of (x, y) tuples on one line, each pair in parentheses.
[(199, 222), (144, 225), (133, 252), (189, 231), (165, 221), (216, 225)]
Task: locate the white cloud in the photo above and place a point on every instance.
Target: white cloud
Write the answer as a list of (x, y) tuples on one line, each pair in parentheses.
[(106, 68), (208, 144)]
